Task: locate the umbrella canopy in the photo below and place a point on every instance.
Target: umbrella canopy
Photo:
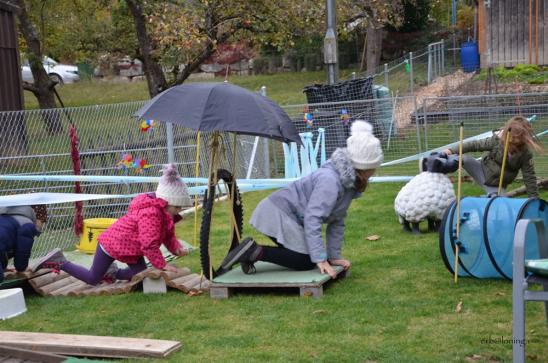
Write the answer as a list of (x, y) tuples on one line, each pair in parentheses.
[(221, 107)]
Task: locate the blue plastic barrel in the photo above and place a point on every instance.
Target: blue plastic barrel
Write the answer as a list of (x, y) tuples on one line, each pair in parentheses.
[(486, 236), (469, 56)]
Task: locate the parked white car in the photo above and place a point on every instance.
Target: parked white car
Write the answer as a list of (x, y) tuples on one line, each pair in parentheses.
[(60, 73)]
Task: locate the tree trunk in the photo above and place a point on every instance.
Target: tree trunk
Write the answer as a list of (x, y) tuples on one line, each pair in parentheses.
[(374, 48), (153, 71), (542, 184), (43, 86), (195, 63)]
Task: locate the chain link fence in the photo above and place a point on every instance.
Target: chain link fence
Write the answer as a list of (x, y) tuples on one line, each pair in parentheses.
[(426, 71), (408, 126), (441, 117), (38, 142)]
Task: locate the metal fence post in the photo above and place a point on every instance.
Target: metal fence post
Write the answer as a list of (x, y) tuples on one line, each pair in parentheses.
[(442, 56), (386, 75), (439, 59), (169, 137), (429, 77), (43, 169), (266, 149), (417, 124), (411, 73), (424, 107)]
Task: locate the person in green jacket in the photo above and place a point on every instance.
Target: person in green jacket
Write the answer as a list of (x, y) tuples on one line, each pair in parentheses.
[(486, 172)]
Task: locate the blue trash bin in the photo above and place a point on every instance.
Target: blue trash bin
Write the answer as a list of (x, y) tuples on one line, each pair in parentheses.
[(469, 57)]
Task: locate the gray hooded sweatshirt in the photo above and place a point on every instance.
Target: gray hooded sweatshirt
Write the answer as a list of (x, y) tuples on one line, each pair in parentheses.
[(22, 214), (321, 197)]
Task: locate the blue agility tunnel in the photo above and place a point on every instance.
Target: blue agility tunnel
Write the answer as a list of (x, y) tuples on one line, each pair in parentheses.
[(487, 234)]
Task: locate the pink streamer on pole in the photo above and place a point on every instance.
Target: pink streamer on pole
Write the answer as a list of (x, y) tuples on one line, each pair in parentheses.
[(75, 155)]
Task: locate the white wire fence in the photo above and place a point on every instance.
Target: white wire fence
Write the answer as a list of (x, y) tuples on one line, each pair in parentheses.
[(413, 73), (410, 126), (38, 143)]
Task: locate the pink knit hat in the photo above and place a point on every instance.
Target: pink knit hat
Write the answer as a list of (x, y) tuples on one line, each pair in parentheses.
[(171, 187)]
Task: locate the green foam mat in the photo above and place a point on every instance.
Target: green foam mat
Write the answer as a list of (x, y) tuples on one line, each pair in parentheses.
[(10, 283), (271, 274)]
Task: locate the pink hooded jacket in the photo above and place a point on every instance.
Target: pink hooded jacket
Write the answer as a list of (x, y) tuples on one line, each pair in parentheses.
[(146, 226)]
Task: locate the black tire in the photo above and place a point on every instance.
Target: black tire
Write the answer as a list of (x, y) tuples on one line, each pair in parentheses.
[(207, 212)]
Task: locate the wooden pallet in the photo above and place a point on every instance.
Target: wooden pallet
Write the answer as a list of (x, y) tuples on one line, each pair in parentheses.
[(62, 284), (309, 283)]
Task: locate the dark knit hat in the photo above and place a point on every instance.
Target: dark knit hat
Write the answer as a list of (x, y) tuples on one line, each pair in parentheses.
[(41, 212)]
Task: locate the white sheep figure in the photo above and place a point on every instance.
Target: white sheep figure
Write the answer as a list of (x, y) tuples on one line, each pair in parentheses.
[(426, 196)]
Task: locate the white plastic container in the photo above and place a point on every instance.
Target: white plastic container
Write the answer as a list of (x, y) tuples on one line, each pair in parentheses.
[(12, 303)]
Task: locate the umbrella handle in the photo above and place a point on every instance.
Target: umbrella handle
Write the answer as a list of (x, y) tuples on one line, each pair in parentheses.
[(197, 174)]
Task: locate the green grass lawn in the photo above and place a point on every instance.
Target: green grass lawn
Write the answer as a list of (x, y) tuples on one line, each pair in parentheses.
[(398, 305)]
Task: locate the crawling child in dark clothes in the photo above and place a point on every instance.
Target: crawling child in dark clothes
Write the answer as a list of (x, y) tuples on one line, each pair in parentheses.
[(18, 228)]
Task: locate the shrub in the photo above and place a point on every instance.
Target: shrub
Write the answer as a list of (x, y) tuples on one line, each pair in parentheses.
[(538, 80), (527, 69)]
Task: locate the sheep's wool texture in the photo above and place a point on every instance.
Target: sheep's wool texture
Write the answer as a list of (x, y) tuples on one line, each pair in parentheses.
[(426, 195)]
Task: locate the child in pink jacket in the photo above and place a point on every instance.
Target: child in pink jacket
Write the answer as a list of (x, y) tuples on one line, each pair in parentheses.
[(149, 223)]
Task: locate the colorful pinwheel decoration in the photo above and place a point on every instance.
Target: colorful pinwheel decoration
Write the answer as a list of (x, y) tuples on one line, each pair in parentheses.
[(140, 165), (345, 117), (308, 118), (147, 125), (128, 162)]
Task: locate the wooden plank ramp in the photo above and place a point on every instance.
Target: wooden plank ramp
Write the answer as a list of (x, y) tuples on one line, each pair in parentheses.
[(13, 278), (271, 276), (62, 284), (17, 355), (90, 345)]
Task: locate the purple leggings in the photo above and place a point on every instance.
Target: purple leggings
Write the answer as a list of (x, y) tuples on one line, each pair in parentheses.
[(101, 263)]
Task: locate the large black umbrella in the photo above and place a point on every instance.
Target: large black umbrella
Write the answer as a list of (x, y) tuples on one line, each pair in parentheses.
[(221, 107)]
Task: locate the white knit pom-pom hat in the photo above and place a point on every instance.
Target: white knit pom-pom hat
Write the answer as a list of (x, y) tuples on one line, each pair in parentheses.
[(363, 147), (172, 189)]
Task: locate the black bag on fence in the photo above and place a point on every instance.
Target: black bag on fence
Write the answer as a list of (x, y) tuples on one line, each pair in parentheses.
[(330, 116), (352, 90)]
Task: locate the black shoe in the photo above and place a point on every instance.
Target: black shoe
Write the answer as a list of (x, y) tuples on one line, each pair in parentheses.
[(248, 268), (246, 252), (54, 260)]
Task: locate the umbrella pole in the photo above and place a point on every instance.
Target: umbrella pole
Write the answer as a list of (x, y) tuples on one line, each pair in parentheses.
[(503, 168), (197, 174), (233, 224)]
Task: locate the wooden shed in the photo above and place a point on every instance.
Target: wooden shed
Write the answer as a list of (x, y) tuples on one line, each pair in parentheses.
[(512, 32), (11, 90)]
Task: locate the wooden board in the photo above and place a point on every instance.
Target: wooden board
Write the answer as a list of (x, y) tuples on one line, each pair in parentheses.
[(90, 345), (62, 284), (10, 354), (268, 275)]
